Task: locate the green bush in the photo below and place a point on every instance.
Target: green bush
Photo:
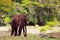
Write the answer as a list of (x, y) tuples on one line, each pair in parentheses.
[(6, 20), (52, 23), (45, 28)]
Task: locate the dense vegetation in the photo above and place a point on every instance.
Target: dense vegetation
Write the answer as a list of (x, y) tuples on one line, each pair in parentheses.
[(39, 11)]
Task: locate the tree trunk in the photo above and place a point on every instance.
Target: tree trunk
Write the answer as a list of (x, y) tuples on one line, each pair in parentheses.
[(41, 21)]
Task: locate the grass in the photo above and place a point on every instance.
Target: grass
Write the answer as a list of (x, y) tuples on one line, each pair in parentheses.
[(6, 36), (29, 37)]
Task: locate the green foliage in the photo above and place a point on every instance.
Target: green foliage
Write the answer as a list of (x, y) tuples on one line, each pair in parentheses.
[(52, 23), (7, 20), (5, 5), (47, 9), (45, 28), (58, 17)]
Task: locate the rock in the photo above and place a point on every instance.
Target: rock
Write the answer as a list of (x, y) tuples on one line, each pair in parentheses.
[(55, 33), (50, 34), (44, 35)]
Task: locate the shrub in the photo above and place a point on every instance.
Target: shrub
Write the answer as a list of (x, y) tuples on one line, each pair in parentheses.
[(45, 28), (52, 23), (6, 20)]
